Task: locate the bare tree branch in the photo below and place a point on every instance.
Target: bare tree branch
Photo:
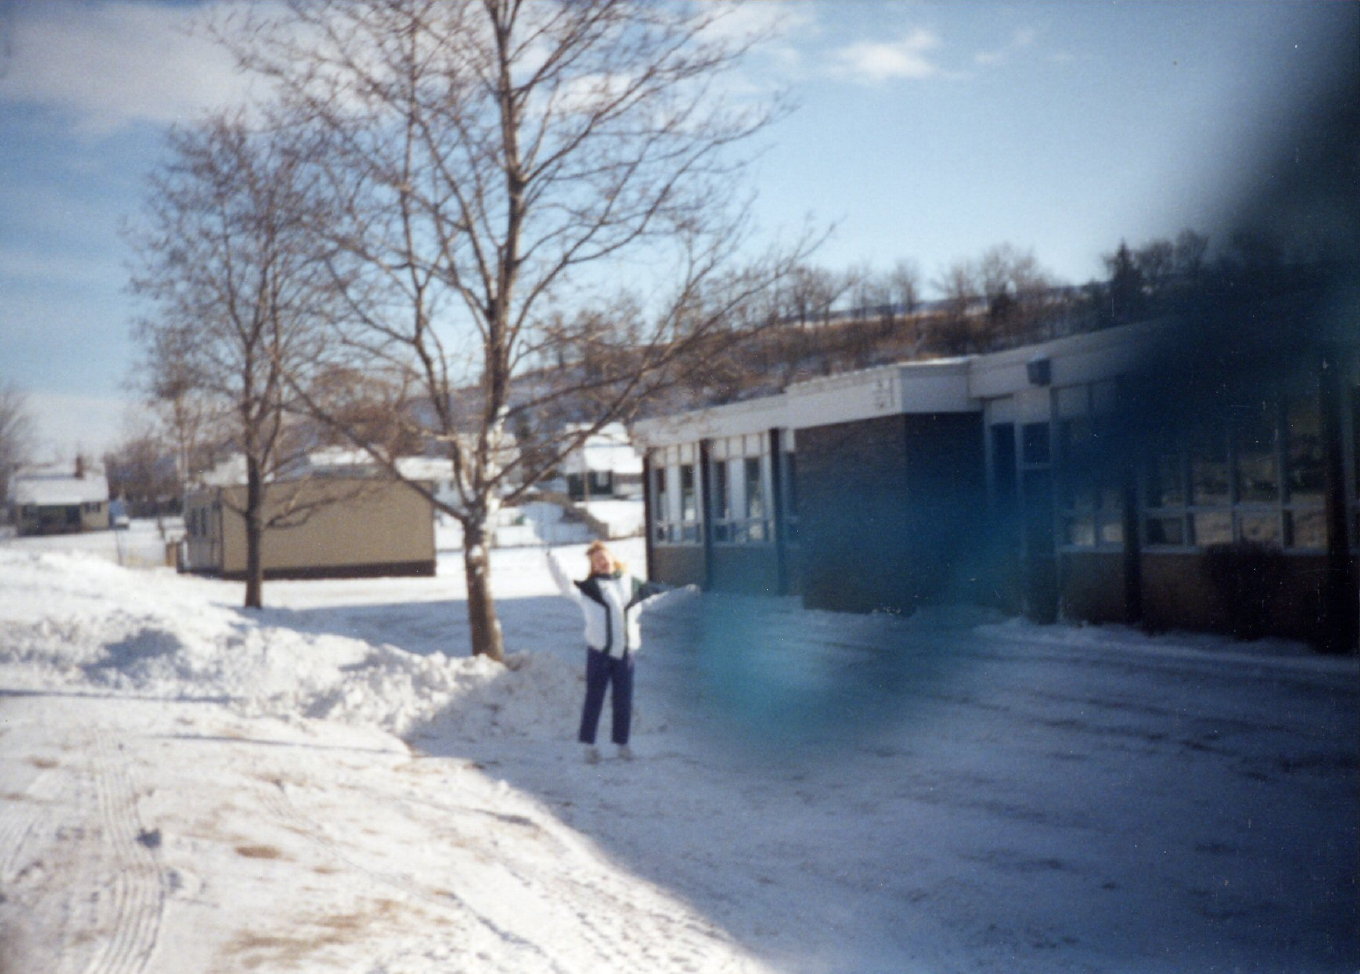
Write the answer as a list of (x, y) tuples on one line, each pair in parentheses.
[(491, 165)]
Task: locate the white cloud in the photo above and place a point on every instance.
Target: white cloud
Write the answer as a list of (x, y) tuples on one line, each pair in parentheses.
[(874, 62), (114, 63)]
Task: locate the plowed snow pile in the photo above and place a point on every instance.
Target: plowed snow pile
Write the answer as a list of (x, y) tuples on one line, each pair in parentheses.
[(78, 621)]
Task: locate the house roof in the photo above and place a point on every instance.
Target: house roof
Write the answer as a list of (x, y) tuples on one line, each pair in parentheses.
[(58, 490), (610, 449)]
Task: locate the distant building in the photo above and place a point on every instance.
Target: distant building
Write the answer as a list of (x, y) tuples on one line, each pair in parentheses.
[(606, 465), (59, 499), (1083, 478), (331, 526)]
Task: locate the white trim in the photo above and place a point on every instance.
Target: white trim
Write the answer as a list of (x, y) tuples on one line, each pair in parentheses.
[(953, 385)]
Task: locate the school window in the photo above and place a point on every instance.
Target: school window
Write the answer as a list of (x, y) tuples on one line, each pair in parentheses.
[(755, 500), (740, 480), (1305, 520), (1164, 498), (660, 506), (675, 495), (721, 495), (1256, 476), (1090, 502), (689, 505)]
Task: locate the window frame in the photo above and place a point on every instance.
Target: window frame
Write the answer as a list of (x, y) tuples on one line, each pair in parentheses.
[(1236, 510), (730, 461), (677, 499), (1088, 497)]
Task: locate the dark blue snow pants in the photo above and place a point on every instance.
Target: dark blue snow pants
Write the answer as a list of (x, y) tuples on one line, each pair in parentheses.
[(602, 670)]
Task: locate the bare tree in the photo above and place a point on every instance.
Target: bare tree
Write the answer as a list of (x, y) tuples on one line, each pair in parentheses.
[(141, 472), (235, 304), (904, 285), (1189, 253), (1126, 293), (810, 292), (1156, 262), (1018, 292), (959, 291), (16, 434), (491, 163)]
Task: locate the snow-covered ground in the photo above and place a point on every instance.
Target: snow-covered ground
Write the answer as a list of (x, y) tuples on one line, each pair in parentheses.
[(331, 785)]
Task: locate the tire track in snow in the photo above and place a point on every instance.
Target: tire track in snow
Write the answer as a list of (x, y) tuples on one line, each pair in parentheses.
[(614, 913), (602, 913), (137, 894), (562, 896), (277, 801), (25, 816)]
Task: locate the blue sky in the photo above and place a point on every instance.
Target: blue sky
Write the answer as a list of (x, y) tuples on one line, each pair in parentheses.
[(924, 131)]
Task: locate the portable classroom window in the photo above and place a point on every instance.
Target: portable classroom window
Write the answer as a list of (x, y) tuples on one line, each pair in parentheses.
[(675, 495), (740, 490)]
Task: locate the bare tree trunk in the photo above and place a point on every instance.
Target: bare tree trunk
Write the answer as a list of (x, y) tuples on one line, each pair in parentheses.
[(485, 628), (254, 522)]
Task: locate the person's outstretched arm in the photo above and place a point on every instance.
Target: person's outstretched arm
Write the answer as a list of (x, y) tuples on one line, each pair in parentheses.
[(564, 584), (651, 594)]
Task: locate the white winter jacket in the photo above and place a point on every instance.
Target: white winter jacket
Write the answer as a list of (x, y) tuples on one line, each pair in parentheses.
[(610, 605)]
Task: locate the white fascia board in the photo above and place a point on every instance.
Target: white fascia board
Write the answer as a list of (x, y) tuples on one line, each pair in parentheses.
[(1074, 360), (915, 387), (733, 419)]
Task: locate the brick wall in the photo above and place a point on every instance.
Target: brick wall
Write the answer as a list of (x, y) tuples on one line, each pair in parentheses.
[(887, 507)]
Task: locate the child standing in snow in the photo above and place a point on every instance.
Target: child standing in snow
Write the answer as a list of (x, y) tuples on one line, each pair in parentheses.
[(610, 600)]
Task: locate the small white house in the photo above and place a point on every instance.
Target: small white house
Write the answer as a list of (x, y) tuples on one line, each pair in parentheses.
[(606, 466), (60, 499)]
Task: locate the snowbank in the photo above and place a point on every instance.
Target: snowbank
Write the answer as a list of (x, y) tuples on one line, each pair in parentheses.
[(78, 621), (330, 785)]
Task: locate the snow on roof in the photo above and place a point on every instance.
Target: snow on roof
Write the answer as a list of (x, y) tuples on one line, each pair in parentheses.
[(610, 449), (337, 457), (227, 473), (426, 468), (51, 489), (334, 460)]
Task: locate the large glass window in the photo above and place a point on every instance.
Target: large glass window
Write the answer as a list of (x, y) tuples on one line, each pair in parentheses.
[(1164, 494), (1090, 506), (675, 496), (721, 496), (740, 480), (1257, 468), (661, 519), (1256, 476), (689, 504), (756, 509)]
